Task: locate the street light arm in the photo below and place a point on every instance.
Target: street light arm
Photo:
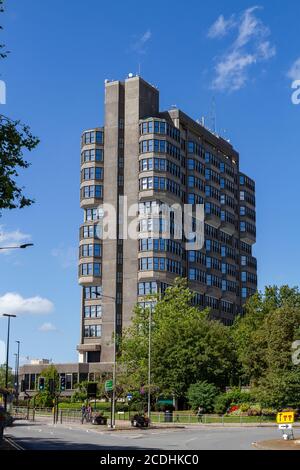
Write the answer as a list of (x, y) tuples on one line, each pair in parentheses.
[(24, 245)]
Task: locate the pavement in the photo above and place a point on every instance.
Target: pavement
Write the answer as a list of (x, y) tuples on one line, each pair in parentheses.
[(42, 435)]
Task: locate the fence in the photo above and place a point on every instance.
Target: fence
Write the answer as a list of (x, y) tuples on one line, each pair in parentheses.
[(180, 417)]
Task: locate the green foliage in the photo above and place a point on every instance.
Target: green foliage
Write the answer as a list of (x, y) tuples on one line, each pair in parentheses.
[(202, 394), (45, 397), (15, 137), (235, 396), (2, 376), (186, 345), (279, 389), (263, 339)]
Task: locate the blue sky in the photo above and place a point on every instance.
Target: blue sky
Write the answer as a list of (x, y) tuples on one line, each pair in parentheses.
[(241, 53)]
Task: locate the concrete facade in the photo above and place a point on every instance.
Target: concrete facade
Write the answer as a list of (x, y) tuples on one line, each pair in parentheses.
[(159, 157)]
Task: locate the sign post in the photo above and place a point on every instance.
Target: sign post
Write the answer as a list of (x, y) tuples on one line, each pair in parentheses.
[(285, 420), (109, 386)]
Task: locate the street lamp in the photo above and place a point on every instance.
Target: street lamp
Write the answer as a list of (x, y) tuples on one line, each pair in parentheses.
[(24, 245), (113, 420), (9, 316), (149, 364), (17, 369)]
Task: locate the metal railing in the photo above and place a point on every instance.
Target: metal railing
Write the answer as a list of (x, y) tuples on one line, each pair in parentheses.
[(66, 415)]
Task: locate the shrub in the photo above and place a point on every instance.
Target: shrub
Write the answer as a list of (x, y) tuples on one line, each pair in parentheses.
[(254, 410), (233, 397), (244, 407), (202, 394)]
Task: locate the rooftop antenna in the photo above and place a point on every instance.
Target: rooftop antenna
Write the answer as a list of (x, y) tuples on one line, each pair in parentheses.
[(139, 72), (213, 115)]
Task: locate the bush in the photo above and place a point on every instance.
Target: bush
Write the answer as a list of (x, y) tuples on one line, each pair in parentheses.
[(233, 397), (202, 394), (254, 410), (244, 407), (269, 412)]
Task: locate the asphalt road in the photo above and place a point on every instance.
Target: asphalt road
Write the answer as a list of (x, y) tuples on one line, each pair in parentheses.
[(43, 436)]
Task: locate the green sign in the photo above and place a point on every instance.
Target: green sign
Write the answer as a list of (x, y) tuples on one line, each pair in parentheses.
[(109, 386)]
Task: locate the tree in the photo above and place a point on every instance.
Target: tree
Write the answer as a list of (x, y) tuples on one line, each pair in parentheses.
[(270, 323), (3, 374), (45, 397), (15, 138), (264, 338), (186, 345), (202, 394)]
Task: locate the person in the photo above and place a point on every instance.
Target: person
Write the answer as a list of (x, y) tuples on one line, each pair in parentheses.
[(83, 413), (200, 414), (89, 413)]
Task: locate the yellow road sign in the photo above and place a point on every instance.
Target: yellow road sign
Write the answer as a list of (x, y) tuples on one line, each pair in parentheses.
[(285, 417)]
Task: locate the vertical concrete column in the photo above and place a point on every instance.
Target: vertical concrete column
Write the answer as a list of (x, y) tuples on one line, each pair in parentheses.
[(114, 99), (141, 100)]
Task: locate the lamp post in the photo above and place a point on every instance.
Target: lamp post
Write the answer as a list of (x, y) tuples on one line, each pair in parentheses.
[(9, 316), (113, 420), (22, 247), (149, 364), (17, 370)]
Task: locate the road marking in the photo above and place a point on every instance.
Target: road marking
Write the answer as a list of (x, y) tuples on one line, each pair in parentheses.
[(14, 444)]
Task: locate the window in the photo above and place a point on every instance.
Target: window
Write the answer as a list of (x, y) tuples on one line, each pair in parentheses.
[(93, 311), (244, 260), (91, 191), (92, 173), (197, 275), (92, 155), (93, 214), (146, 288), (90, 269), (92, 331), (91, 231), (90, 250), (92, 292), (92, 137)]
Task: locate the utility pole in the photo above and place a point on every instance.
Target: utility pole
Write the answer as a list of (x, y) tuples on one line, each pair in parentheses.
[(9, 316), (149, 364), (17, 371)]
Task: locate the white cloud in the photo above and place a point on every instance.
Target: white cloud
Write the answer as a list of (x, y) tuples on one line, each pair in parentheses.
[(139, 44), (221, 27), (250, 47), (46, 327), (15, 237), (294, 71), (14, 303), (67, 256)]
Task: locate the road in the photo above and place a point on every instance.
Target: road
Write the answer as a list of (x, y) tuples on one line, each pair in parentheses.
[(45, 436)]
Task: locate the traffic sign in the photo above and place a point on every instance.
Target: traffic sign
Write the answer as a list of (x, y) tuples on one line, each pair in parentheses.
[(129, 396), (109, 386), (285, 426), (284, 417)]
